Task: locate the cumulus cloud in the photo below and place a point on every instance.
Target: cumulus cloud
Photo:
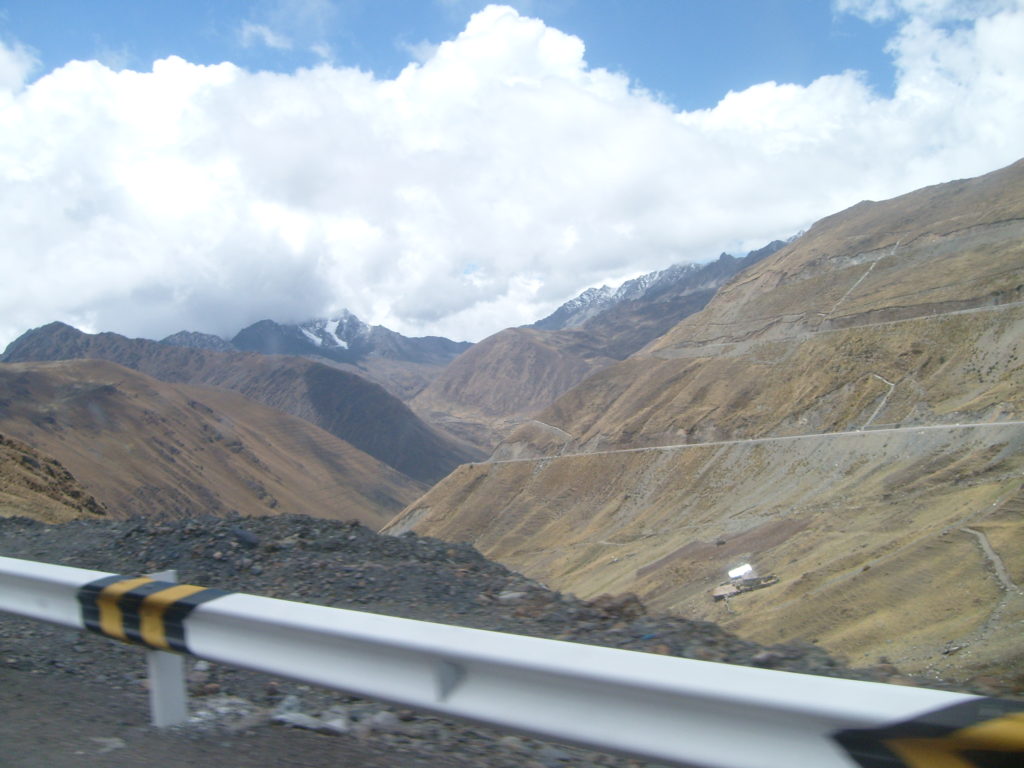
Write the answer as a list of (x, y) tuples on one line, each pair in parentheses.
[(476, 190)]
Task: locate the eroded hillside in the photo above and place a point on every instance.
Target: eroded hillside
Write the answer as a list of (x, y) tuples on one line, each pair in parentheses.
[(715, 445)]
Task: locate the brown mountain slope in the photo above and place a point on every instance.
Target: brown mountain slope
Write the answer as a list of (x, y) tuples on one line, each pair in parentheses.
[(37, 486), (778, 351), (870, 535), (346, 405), (505, 378), (880, 321), (140, 445), (959, 241)]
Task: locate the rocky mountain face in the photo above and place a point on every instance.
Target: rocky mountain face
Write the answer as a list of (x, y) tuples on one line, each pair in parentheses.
[(577, 311), (648, 310), (143, 446), (845, 414), (504, 380), (344, 404)]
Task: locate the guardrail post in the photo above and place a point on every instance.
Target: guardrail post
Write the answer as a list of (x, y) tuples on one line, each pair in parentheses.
[(168, 698)]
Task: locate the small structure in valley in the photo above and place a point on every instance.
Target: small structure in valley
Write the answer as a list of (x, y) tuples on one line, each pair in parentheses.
[(741, 571), (742, 578)]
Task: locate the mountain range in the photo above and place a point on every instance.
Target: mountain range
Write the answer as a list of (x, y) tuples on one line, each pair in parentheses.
[(345, 339), (845, 414), (843, 411), (400, 364), (321, 371), (346, 405), (657, 288)]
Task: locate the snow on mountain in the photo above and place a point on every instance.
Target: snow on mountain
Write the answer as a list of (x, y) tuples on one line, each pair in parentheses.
[(339, 331), (575, 312), (589, 298), (684, 278), (640, 286), (345, 339), (594, 301), (313, 338)]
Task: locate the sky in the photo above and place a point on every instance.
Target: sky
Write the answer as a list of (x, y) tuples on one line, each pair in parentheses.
[(448, 167)]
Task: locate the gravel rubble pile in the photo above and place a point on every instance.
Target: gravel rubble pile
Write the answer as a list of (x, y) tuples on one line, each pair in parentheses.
[(346, 565)]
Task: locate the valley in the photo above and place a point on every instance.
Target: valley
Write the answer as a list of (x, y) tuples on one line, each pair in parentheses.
[(503, 380), (860, 527), (844, 412)]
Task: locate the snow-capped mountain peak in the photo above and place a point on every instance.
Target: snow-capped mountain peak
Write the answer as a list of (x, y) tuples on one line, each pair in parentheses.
[(340, 331)]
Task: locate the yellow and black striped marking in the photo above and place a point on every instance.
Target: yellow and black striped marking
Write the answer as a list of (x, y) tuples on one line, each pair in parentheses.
[(142, 610), (987, 733)]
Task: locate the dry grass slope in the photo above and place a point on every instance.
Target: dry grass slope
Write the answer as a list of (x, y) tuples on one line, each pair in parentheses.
[(489, 389), (38, 486)]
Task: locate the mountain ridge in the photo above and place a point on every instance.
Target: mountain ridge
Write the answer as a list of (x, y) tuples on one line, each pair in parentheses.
[(594, 302), (402, 365), (507, 378), (345, 339)]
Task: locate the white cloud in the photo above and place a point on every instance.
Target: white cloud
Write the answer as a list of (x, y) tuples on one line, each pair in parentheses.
[(252, 34), (476, 190), (930, 11), (290, 24), (16, 62), (421, 52), (322, 51)]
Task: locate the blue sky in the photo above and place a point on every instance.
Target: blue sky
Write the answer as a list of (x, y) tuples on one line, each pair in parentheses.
[(690, 53), (448, 167)]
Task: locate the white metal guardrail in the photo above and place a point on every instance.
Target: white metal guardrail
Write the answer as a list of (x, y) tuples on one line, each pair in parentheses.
[(667, 709)]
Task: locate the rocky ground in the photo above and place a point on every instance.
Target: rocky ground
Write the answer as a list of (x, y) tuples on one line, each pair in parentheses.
[(71, 698)]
